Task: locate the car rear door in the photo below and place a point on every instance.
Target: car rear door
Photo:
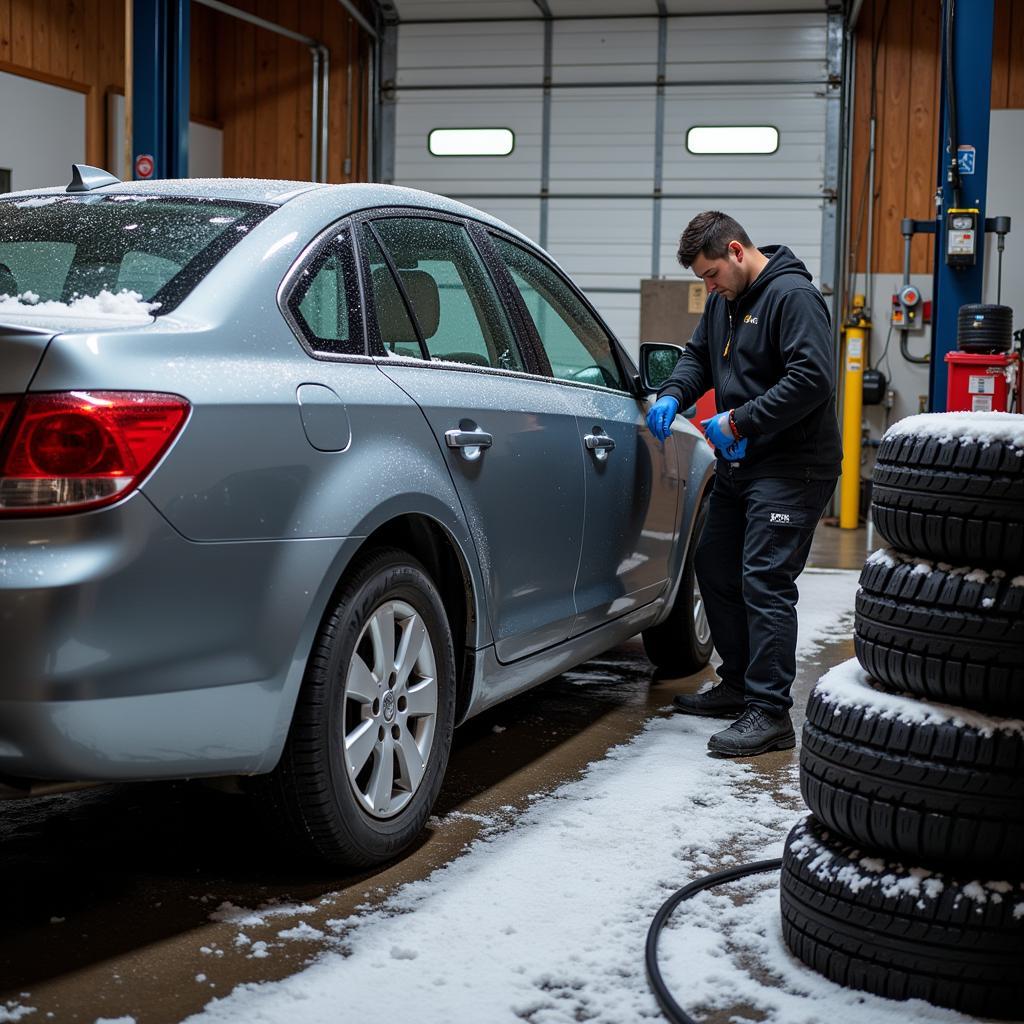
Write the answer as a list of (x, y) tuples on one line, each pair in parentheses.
[(443, 333), (632, 480)]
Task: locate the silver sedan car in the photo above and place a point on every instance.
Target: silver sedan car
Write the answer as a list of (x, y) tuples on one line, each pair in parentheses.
[(295, 478)]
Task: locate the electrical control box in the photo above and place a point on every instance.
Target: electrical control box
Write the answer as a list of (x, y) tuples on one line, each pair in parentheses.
[(906, 308), (962, 237)]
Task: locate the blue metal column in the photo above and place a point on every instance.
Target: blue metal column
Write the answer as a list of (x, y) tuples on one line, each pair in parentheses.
[(972, 76), (160, 88)]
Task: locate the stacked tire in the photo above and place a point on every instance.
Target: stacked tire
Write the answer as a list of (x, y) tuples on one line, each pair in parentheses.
[(907, 880)]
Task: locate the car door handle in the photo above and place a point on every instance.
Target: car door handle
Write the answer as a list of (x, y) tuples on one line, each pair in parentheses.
[(599, 444), (470, 443)]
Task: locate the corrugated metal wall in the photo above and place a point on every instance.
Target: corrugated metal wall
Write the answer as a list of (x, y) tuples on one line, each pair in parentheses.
[(600, 217)]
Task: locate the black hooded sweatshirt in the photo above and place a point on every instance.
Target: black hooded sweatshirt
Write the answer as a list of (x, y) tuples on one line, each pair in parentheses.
[(769, 357)]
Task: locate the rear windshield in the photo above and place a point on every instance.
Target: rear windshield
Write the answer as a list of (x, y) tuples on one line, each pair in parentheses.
[(68, 248)]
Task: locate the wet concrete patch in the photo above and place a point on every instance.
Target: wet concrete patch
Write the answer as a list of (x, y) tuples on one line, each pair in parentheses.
[(109, 893)]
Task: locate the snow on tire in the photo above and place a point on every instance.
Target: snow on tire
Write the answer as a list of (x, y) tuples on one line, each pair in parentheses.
[(951, 486), (952, 635), (921, 781), (902, 933)]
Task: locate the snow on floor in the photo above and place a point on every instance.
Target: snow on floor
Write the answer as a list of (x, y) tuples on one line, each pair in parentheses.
[(546, 921)]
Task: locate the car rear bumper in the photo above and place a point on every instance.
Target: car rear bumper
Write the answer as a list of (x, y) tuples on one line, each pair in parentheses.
[(127, 651)]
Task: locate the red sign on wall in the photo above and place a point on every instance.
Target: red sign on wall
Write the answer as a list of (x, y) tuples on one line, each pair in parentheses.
[(144, 166)]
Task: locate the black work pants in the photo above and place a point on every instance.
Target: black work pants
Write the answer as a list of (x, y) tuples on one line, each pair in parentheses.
[(754, 545)]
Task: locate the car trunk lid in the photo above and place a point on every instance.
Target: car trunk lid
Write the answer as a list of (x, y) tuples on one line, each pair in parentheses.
[(21, 351)]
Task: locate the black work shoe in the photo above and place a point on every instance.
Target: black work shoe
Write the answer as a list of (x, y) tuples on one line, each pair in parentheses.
[(754, 732), (719, 702)]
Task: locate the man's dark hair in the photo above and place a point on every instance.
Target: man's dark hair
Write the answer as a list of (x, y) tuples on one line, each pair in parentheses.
[(709, 233)]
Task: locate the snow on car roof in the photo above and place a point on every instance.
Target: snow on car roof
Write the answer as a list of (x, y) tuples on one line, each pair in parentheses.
[(342, 199), (259, 190), (337, 200)]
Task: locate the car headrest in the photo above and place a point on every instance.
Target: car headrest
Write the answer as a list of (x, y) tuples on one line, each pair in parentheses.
[(425, 298), (423, 294)]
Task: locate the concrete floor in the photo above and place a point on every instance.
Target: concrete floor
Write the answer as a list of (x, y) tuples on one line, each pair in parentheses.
[(107, 892)]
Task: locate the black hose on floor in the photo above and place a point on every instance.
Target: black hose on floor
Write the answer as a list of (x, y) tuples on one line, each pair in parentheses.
[(672, 1010)]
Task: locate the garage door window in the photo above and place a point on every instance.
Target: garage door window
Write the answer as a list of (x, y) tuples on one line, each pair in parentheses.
[(577, 347), (449, 289), (749, 139), (471, 142)]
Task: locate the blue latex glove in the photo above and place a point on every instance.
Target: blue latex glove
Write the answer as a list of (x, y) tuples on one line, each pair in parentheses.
[(736, 450), (661, 415), (719, 433)]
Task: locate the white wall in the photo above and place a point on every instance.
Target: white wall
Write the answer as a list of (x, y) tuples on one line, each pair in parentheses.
[(1005, 198), (42, 131), (205, 145)]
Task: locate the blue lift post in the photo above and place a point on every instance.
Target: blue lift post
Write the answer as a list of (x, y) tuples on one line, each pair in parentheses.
[(953, 287), (160, 88)]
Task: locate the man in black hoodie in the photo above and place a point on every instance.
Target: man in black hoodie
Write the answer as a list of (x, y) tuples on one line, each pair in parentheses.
[(764, 344)]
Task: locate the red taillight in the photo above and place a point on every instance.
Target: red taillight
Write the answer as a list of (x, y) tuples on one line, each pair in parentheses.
[(77, 450), (6, 408)]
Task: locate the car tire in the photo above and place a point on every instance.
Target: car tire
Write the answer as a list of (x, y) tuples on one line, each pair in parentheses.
[(901, 933), (958, 500), (951, 635), (347, 815), (682, 644), (929, 788)]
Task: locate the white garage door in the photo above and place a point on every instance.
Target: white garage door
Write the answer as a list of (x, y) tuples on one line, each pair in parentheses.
[(614, 186)]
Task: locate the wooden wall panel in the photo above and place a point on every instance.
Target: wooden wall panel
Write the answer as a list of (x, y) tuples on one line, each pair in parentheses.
[(1014, 56), (265, 91), (891, 159), (206, 66), (254, 84), (907, 71), (56, 41)]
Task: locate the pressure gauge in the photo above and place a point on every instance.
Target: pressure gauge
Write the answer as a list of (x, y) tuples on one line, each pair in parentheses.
[(961, 237)]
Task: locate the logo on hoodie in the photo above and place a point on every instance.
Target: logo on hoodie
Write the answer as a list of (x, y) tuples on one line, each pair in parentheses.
[(748, 319)]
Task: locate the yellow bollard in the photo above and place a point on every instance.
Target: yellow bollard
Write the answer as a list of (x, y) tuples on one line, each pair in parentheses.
[(856, 329)]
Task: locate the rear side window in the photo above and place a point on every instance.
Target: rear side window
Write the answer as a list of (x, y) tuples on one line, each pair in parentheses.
[(319, 302), (65, 247), (455, 304), (394, 325)]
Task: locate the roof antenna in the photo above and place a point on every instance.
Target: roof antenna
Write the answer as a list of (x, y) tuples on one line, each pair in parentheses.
[(85, 178)]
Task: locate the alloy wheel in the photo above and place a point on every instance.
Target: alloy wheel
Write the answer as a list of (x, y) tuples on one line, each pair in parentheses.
[(700, 617), (390, 709)]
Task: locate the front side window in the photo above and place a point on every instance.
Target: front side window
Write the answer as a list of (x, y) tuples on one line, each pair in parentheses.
[(452, 297), (65, 248), (576, 345)]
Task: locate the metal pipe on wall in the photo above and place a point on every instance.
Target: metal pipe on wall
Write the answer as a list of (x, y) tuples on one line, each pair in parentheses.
[(868, 274), (357, 15), (349, 106), (373, 99), (325, 107), (313, 137)]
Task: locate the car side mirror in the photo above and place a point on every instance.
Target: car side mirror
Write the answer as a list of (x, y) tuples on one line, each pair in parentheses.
[(657, 361)]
